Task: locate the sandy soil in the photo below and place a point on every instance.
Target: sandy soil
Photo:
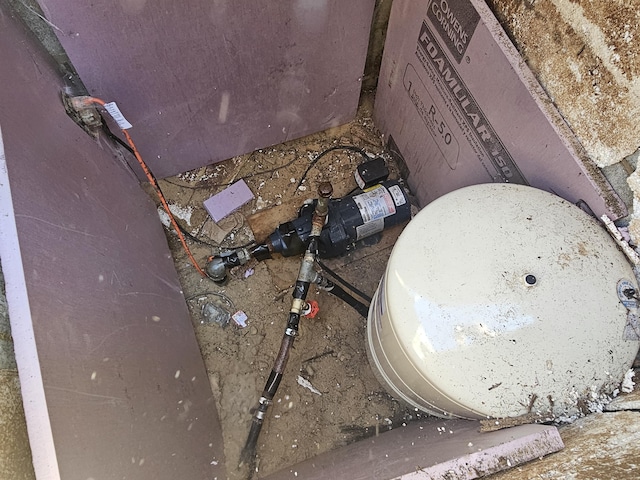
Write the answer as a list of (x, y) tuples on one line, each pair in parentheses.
[(348, 403)]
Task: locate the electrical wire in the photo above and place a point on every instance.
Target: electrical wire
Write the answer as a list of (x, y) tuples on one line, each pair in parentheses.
[(226, 299), (351, 148), (154, 184), (226, 184), (180, 231)]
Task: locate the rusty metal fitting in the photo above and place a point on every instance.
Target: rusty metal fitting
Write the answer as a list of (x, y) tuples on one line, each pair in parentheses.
[(317, 223), (325, 189)]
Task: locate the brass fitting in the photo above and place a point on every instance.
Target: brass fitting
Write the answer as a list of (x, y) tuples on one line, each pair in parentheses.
[(325, 189)]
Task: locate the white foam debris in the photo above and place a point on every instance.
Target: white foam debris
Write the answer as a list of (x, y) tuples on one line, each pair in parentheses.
[(178, 211), (303, 382), (164, 217), (627, 383), (183, 213), (261, 203)]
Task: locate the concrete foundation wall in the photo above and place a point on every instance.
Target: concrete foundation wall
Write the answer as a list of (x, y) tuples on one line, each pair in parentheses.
[(15, 454), (585, 55)]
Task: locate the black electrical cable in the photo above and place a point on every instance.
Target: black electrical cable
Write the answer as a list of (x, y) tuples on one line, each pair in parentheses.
[(244, 177), (352, 148), (182, 230), (226, 299), (117, 139)]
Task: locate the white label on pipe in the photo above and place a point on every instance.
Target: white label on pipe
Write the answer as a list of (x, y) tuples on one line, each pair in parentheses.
[(115, 112)]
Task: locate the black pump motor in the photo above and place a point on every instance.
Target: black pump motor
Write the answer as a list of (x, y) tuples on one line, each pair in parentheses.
[(350, 220)]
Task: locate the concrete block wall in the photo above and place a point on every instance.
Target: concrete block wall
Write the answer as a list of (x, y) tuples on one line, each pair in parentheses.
[(586, 56), (15, 454)]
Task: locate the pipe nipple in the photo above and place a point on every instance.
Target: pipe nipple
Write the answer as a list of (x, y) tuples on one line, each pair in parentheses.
[(325, 189)]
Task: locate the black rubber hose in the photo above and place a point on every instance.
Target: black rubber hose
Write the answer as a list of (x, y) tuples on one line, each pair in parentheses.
[(358, 306), (248, 454), (300, 291), (343, 282)]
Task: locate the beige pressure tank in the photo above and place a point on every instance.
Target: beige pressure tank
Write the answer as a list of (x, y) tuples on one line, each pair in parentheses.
[(501, 299)]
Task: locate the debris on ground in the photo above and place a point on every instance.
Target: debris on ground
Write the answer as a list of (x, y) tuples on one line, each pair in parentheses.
[(303, 382), (217, 232), (212, 313), (352, 399), (240, 318), (627, 384)]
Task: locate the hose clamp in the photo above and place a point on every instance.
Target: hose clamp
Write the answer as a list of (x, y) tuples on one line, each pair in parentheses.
[(290, 332)]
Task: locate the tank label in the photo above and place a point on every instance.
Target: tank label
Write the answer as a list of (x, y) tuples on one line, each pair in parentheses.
[(375, 204)]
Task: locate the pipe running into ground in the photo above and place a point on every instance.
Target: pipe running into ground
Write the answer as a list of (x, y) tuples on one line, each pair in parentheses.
[(306, 276)]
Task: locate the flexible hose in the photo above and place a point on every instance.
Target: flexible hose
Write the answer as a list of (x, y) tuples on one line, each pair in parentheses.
[(343, 282), (306, 275), (339, 292)]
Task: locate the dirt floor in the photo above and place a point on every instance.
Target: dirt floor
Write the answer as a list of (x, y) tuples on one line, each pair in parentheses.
[(329, 396)]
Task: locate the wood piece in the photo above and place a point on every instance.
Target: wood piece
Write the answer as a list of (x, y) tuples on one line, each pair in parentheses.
[(264, 222)]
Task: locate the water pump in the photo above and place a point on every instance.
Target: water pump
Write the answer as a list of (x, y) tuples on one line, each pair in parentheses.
[(351, 220)]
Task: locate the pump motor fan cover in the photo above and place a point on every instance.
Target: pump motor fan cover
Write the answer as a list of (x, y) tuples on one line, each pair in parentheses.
[(499, 294)]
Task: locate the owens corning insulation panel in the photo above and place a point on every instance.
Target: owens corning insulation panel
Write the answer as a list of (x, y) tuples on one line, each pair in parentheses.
[(458, 103), (205, 80), (112, 379)]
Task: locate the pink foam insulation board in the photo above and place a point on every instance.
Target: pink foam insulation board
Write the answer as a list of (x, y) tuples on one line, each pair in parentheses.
[(113, 382), (206, 80), (456, 101), (429, 449), (228, 200)]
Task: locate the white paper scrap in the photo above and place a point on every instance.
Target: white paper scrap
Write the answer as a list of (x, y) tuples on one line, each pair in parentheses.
[(240, 318), (303, 382), (115, 112)]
